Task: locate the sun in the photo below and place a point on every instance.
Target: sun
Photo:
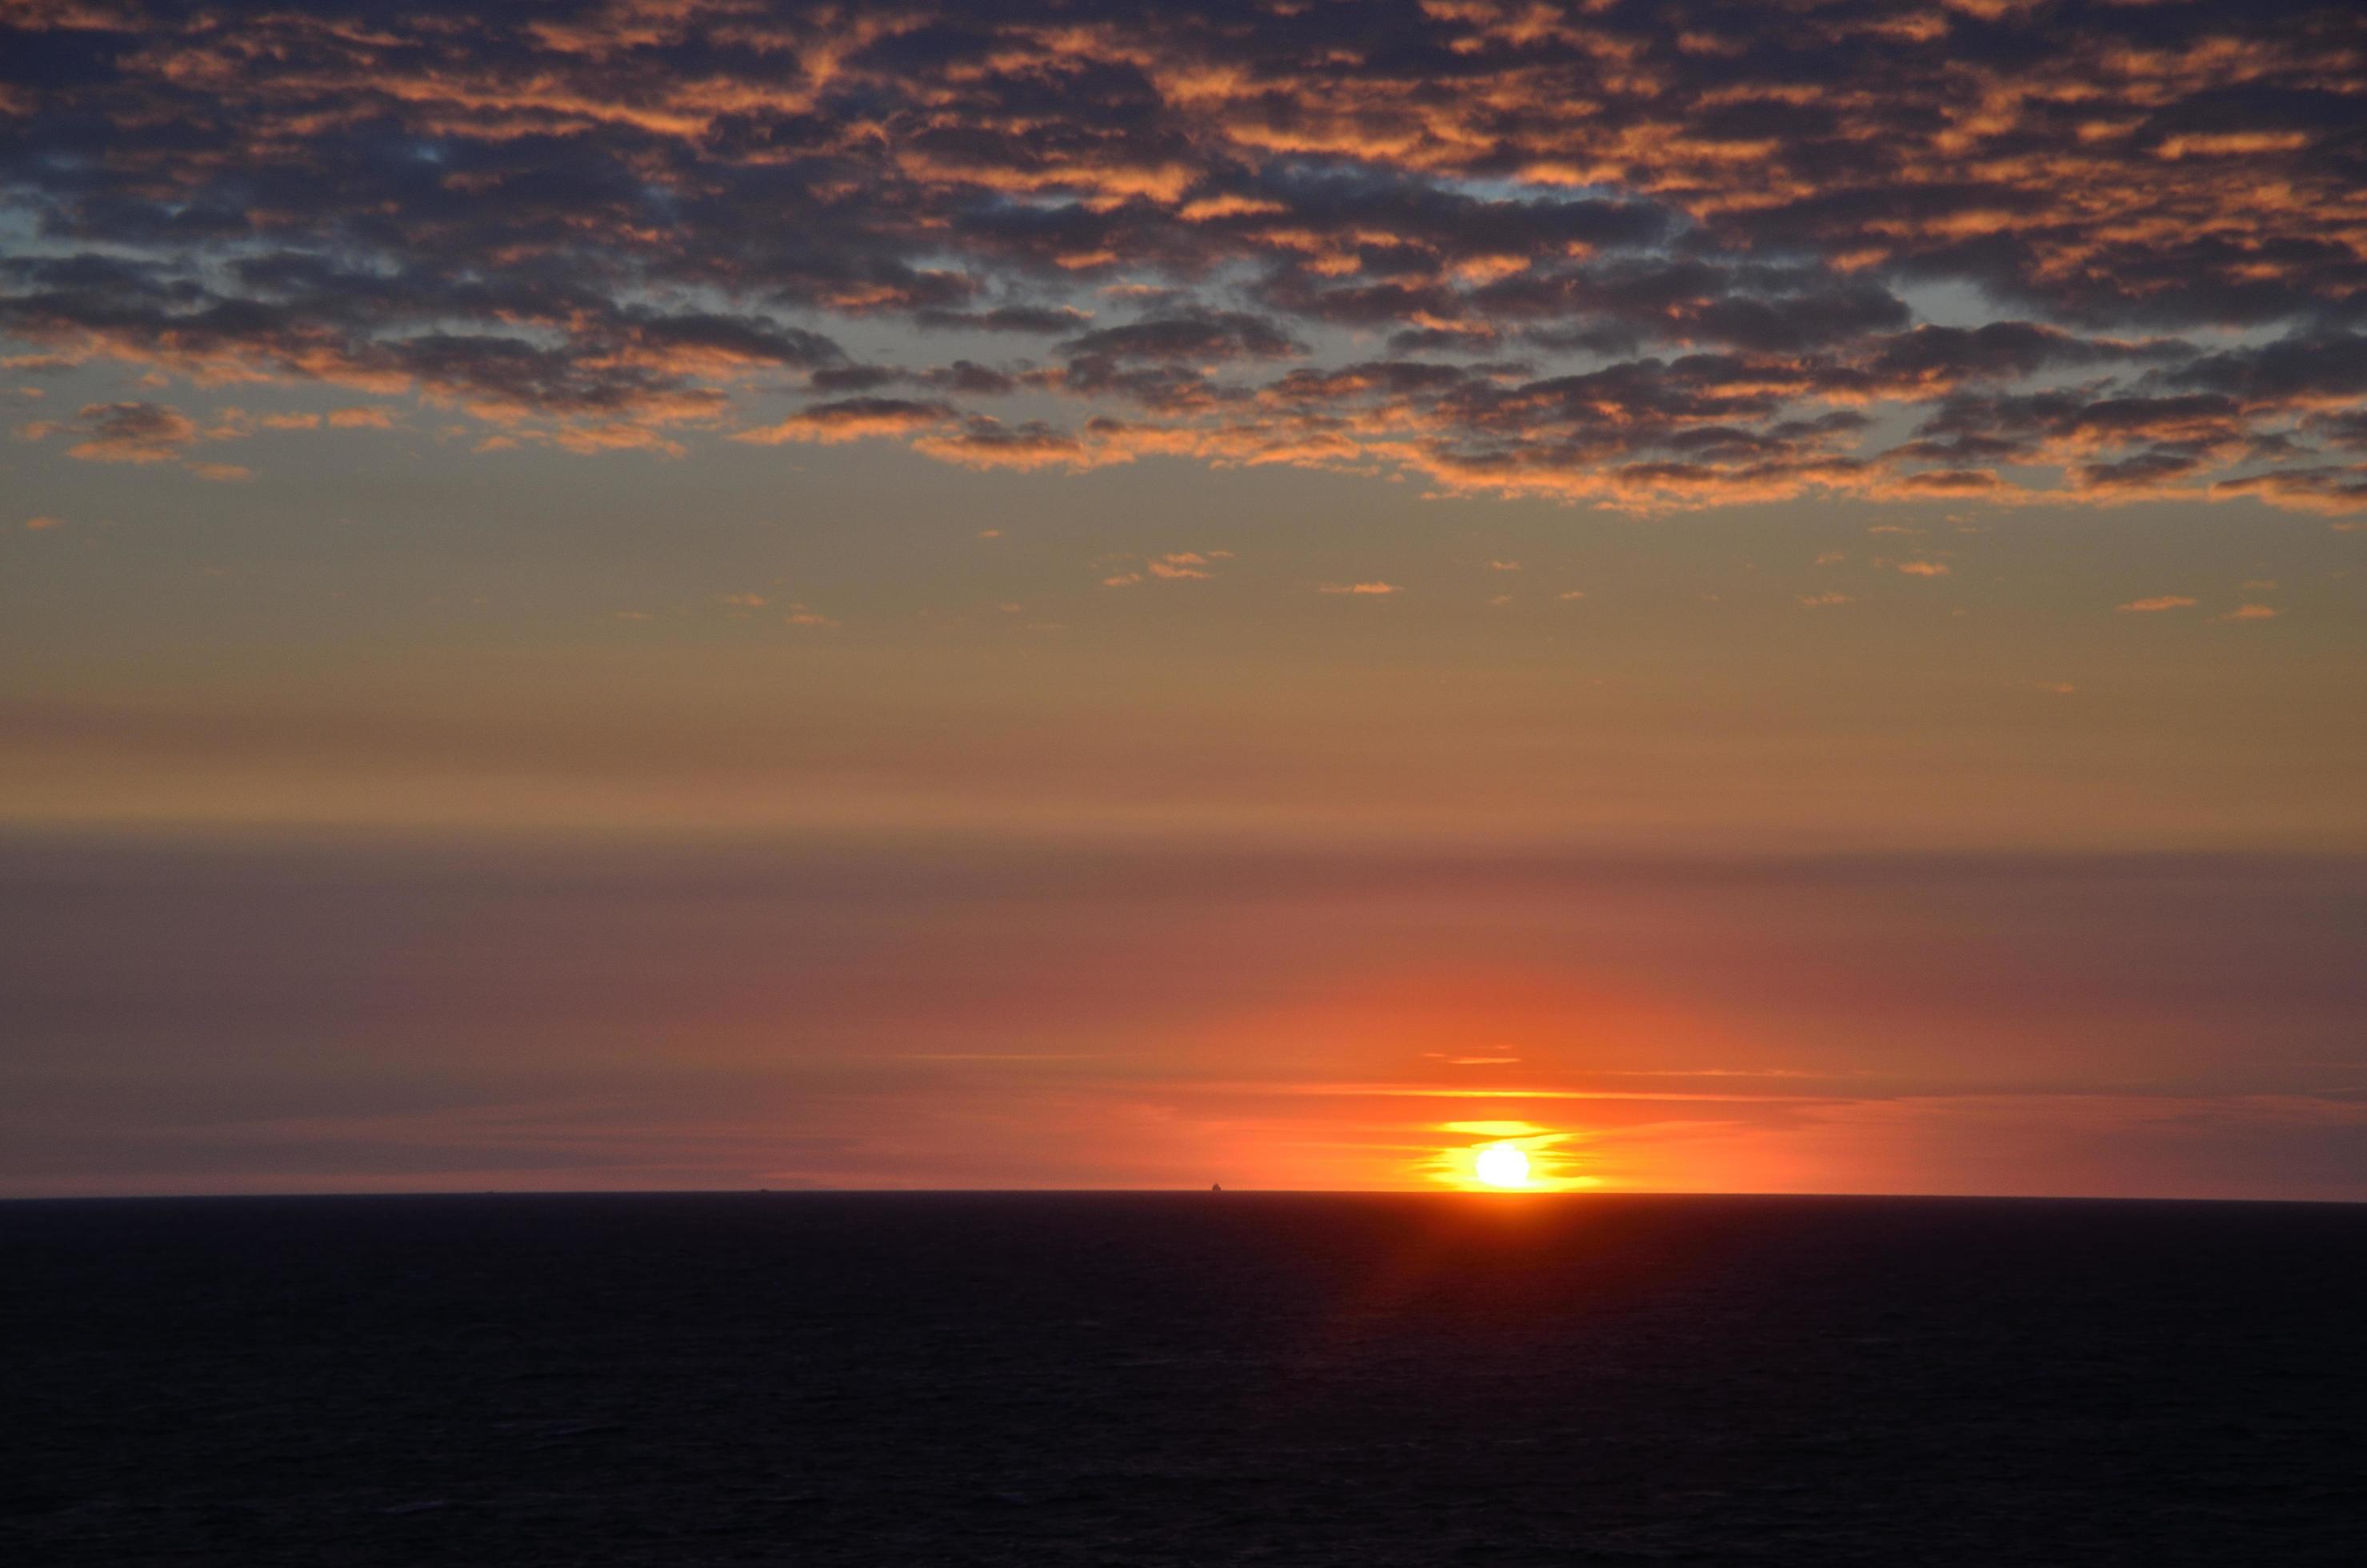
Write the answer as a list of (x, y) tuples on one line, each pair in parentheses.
[(1501, 1165)]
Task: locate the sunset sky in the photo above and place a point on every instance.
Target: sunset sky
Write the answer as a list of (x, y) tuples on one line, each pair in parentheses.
[(701, 594)]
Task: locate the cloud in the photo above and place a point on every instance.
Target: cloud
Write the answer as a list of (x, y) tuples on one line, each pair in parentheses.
[(1924, 568), (1823, 601), (2157, 604), (120, 432), (1587, 258), (43, 522), (1945, 357), (1184, 565), (2321, 488), (1175, 566), (1007, 318), (1375, 588), (851, 419), (1201, 338), (2251, 612), (984, 442)]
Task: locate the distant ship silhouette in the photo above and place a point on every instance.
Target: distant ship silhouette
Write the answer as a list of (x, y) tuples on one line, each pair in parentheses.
[(1216, 1187)]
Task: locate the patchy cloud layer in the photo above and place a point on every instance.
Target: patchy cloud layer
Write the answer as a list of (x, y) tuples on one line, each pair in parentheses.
[(1639, 255)]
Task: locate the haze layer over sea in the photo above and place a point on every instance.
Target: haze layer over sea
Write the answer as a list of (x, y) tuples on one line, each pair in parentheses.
[(1179, 1379)]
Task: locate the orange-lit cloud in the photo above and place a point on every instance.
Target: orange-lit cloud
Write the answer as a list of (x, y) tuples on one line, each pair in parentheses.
[(853, 419), (1597, 261)]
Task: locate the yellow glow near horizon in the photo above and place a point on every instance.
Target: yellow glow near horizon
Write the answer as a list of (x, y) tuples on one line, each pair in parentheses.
[(1501, 1165)]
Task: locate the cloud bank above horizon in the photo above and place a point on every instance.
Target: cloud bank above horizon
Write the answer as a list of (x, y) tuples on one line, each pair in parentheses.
[(1640, 258)]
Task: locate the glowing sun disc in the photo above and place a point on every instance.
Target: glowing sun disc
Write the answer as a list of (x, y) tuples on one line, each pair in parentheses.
[(1501, 1165)]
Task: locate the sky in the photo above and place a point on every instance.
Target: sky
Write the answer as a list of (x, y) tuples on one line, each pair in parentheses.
[(721, 594)]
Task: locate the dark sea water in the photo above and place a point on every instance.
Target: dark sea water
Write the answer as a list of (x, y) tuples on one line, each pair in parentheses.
[(1181, 1378)]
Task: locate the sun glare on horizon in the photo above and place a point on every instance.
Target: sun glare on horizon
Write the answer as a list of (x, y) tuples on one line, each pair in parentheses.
[(1502, 1166)]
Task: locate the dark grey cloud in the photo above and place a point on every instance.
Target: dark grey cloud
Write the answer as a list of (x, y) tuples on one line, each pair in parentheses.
[(2005, 350), (1205, 337), (139, 432), (2305, 367), (1008, 318)]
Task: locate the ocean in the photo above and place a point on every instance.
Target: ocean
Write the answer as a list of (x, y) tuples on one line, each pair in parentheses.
[(1181, 1378)]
